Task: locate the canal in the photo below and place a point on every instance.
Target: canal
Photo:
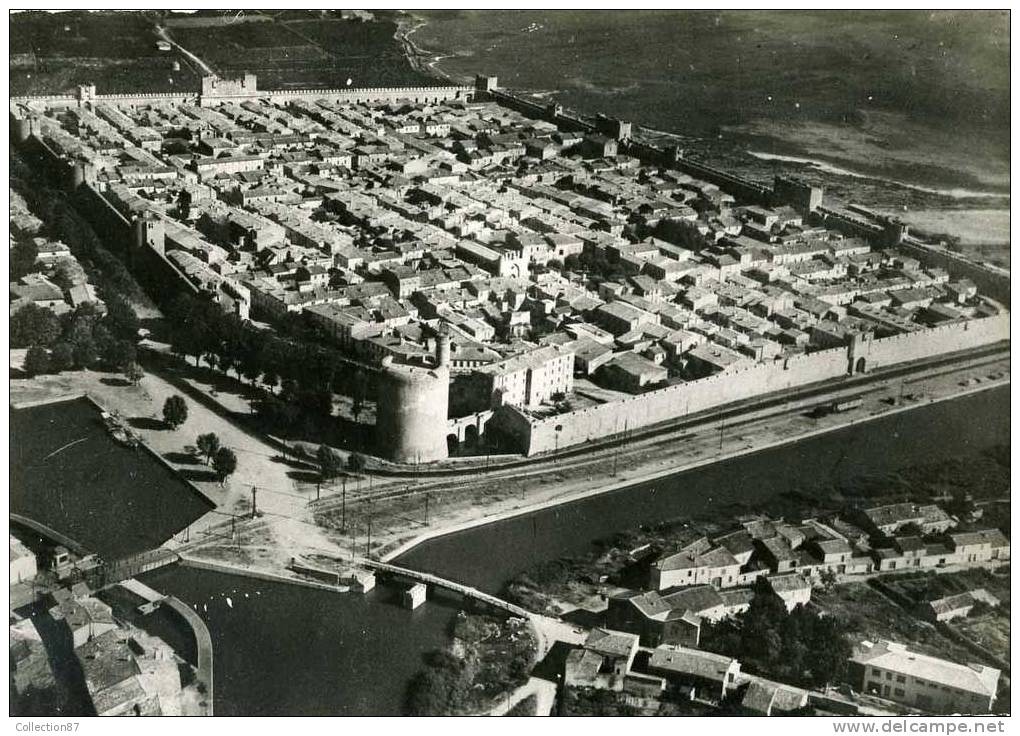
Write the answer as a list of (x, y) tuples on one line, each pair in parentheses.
[(488, 556), (68, 473), (297, 651)]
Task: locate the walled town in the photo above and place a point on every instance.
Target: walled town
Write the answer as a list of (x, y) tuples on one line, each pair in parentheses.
[(508, 278), (502, 269)]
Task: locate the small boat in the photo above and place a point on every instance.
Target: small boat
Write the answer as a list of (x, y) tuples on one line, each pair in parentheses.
[(230, 602)]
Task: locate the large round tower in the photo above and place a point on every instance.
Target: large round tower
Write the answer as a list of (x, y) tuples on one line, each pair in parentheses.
[(411, 412)]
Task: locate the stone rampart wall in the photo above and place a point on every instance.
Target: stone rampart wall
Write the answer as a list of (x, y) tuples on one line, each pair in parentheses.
[(645, 410)]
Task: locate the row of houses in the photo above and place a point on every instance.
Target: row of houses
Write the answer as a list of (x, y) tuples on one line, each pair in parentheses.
[(766, 547), (608, 660)]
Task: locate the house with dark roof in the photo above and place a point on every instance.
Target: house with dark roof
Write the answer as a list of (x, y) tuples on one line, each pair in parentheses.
[(711, 676), (957, 606), (605, 662), (889, 519), (980, 546), (793, 588), (657, 620)]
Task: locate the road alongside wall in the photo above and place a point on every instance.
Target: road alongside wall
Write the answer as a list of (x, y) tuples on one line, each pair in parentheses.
[(536, 435)]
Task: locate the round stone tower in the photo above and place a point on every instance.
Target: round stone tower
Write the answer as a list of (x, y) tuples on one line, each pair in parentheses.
[(411, 412), (443, 347)]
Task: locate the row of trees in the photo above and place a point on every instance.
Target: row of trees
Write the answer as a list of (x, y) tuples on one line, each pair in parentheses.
[(297, 361), (83, 338), (23, 259), (63, 223)]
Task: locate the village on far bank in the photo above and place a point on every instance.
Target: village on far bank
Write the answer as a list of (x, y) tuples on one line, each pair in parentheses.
[(909, 603)]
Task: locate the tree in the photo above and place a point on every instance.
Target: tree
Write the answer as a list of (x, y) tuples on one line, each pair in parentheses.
[(270, 379), (86, 355), (208, 445), (37, 361), (133, 372), (34, 325), (121, 318), (62, 278), (356, 462), (23, 258), (62, 357), (329, 462), (122, 354), (175, 411), (358, 391), (224, 463), (81, 322), (828, 578)]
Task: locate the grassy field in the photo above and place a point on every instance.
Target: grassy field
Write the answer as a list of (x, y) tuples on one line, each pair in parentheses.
[(911, 98), (928, 586), (304, 50), (868, 615), (990, 631), (51, 53)]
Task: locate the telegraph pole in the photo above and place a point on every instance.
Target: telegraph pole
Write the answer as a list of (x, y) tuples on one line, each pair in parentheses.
[(343, 507), (426, 509), (254, 490), (368, 543)]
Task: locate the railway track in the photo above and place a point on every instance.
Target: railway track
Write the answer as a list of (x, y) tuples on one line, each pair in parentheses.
[(457, 480), (849, 385)]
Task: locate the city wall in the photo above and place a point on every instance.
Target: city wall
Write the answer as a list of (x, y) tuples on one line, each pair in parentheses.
[(350, 95), (935, 341), (990, 280), (614, 418), (160, 277)]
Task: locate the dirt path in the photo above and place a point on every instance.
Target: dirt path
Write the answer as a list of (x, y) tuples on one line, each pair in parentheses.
[(165, 35), (543, 690)]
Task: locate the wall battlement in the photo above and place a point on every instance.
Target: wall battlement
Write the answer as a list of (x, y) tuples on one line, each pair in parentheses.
[(214, 94), (535, 435)]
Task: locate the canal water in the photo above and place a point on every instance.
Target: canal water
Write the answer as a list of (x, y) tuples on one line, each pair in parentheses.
[(68, 473), (297, 651), (488, 556)]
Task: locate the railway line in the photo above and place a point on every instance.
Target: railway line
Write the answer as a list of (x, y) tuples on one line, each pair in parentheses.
[(732, 420)]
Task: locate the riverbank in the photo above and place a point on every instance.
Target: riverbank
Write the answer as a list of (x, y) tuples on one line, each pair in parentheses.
[(577, 489), (358, 654)]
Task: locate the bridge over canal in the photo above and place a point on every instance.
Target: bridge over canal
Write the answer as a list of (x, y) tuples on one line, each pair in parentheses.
[(435, 581)]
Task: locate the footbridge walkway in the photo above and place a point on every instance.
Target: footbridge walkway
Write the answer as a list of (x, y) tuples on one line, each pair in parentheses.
[(128, 567), (48, 533), (434, 580)]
